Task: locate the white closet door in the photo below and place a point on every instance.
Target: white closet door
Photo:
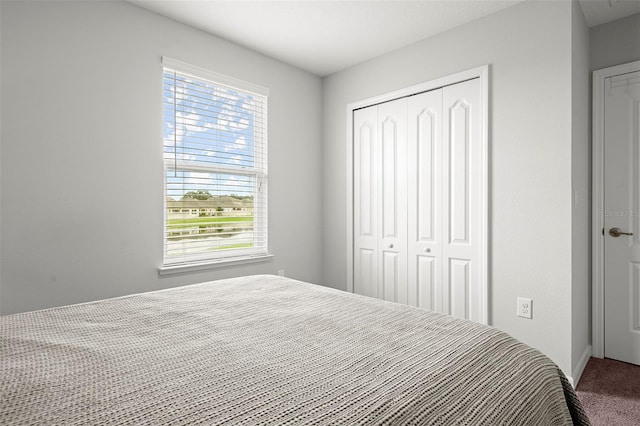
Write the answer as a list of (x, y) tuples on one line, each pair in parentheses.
[(461, 201), (418, 192), (380, 201), (424, 206), (392, 125), (365, 201)]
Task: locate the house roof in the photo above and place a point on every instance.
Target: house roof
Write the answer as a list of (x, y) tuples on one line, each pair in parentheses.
[(223, 201)]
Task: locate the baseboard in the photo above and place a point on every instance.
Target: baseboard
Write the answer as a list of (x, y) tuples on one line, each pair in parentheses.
[(574, 379)]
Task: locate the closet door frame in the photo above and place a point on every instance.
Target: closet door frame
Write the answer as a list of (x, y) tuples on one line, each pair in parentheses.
[(482, 73)]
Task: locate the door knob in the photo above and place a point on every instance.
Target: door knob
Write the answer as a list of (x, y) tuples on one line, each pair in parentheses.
[(616, 232)]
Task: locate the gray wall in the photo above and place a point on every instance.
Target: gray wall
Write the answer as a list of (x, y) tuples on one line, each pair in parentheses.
[(615, 43), (0, 161), (81, 168), (529, 49), (581, 183)]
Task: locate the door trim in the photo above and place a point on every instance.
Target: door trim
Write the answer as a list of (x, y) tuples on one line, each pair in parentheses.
[(482, 73), (597, 255)]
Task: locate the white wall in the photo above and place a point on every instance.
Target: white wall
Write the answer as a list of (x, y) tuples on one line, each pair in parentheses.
[(0, 162), (581, 183), (529, 49), (615, 43), (81, 167)]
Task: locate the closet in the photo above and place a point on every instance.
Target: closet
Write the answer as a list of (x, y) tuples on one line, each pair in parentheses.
[(418, 200)]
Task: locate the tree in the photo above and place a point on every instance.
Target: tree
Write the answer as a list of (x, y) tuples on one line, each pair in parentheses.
[(197, 195)]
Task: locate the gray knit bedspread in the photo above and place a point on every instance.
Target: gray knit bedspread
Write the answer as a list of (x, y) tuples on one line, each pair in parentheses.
[(270, 350)]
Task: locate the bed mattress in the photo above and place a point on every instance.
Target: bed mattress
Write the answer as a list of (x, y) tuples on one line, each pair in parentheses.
[(270, 350)]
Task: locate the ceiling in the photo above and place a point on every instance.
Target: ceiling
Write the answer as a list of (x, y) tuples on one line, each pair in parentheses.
[(598, 12), (326, 36)]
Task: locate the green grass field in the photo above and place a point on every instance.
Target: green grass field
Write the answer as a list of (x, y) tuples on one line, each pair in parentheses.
[(179, 223), (233, 246)]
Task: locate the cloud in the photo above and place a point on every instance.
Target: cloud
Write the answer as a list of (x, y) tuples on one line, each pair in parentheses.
[(174, 137), (243, 123), (198, 178), (218, 125), (190, 121), (180, 94), (239, 144), (226, 112), (228, 95), (232, 182)]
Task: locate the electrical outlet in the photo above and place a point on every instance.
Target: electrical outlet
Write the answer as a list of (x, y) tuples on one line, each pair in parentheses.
[(525, 308), (281, 272)]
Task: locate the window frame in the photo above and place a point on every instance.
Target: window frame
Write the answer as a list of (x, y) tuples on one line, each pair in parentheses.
[(259, 172)]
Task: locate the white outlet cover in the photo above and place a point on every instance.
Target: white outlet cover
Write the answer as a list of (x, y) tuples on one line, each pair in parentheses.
[(525, 308)]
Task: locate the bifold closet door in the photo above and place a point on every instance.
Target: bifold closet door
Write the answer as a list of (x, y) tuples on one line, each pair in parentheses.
[(365, 201), (380, 200), (444, 201), (461, 201), (418, 201), (424, 212)]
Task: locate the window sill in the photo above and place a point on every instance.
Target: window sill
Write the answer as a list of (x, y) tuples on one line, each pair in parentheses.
[(211, 264)]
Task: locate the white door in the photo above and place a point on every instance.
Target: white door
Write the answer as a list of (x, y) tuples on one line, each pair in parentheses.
[(380, 199), (392, 125), (462, 201), (425, 205), (365, 201), (621, 218), (418, 192), (445, 201)]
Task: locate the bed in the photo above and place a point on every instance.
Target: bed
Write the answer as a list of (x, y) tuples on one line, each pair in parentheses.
[(268, 350)]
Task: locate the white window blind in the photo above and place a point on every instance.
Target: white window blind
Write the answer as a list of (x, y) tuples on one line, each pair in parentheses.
[(215, 156)]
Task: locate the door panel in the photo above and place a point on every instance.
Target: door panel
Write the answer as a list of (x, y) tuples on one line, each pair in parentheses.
[(390, 276), (365, 204), (635, 298), (390, 176), (366, 179), (366, 273), (622, 208), (427, 136), (392, 118), (425, 271), (462, 204), (424, 187), (459, 293), (459, 171)]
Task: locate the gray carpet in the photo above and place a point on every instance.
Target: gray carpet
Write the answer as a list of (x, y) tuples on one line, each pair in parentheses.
[(610, 392)]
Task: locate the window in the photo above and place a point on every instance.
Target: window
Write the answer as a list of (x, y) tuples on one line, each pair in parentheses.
[(215, 160)]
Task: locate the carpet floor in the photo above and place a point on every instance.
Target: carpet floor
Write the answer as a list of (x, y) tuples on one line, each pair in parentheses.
[(610, 392)]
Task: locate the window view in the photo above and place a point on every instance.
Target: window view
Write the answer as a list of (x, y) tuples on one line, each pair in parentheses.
[(215, 170)]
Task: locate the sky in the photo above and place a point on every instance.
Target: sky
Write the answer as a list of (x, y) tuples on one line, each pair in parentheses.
[(207, 125)]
